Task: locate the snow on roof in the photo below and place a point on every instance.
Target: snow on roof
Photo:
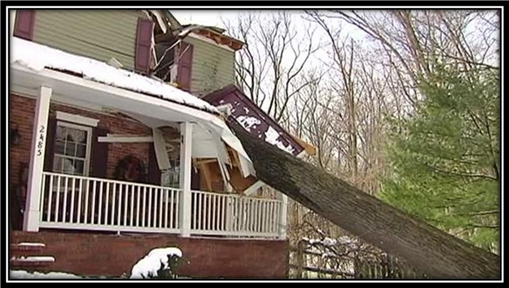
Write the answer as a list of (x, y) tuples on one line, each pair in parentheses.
[(150, 264), (248, 122), (271, 137), (21, 274), (37, 57)]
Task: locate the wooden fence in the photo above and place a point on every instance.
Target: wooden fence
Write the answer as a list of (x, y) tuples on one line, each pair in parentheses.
[(306, 262)]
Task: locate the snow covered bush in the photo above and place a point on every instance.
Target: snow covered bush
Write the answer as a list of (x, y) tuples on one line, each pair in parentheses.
[(160, 263)]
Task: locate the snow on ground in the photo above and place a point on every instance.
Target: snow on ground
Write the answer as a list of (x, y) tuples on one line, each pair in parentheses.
[(37, 57), (329, 241), (21, 274), (342, 240), (346, 240), (150, 264), (329, 254), (271, 137), (248, 122), (326, 242)]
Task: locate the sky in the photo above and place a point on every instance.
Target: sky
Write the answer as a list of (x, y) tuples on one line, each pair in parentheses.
[(204, 17), (216, 17)]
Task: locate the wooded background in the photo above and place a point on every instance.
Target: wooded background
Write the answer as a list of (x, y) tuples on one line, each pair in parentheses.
[(404, 105)]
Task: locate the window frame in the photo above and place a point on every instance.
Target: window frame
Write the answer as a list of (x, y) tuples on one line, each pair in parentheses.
[(88, 129)]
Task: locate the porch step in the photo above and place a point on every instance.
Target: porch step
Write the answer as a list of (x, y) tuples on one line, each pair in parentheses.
[(29, 256), (21, 249), (31, 262)]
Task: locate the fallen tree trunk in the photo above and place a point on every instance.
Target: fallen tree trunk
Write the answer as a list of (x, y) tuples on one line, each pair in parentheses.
[(426, 248)]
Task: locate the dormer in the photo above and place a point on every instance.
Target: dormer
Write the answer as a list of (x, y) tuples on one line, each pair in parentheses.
[(206, 57)]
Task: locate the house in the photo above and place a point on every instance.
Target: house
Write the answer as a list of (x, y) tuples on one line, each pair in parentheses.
[(111, 157)]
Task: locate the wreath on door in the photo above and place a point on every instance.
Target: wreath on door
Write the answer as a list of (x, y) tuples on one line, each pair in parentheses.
[(130, 169)]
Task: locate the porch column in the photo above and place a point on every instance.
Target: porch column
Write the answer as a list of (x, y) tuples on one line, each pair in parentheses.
[(31, 216), (186, 132), (283, 216)]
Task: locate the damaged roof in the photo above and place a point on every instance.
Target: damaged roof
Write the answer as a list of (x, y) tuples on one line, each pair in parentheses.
[(167, 22), (256, 121)]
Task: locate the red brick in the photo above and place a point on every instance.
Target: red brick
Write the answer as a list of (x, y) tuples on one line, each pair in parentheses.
[(113, 255), (22, 113)]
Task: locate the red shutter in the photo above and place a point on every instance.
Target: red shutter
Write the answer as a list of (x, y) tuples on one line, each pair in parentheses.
[(24, 26), (99, 154), (50, 144), (185, 66), (143, 45)]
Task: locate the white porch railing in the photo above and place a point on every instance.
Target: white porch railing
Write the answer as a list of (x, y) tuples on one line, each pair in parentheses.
[(234, 215), (76, 202)]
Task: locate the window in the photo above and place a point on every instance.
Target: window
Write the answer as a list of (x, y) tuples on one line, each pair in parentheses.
[(72, 149), (171, 177)]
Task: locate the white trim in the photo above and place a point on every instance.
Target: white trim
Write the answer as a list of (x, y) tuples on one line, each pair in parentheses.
[(226, 175), (88, 147), (255, 186), (210, 41), (56, 98), (98, 227), (261, 235), (186, 133), (283, 216), (125, 139), (163, 161), (77, 119), (38, 150)]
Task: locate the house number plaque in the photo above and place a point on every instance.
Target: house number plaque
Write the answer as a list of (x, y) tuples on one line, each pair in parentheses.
[(40, 140)]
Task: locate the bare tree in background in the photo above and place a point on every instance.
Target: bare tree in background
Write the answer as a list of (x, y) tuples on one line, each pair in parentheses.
[(370, 67), (414, 41), (274, 56)]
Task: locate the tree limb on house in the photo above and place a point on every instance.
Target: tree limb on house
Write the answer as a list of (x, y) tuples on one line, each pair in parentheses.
[(426, 248)]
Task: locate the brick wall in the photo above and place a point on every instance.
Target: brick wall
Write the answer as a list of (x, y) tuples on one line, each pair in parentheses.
[(22, 114), (114, 255)]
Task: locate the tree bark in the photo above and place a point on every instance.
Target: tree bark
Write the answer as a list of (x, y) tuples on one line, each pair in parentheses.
[(426, 248)]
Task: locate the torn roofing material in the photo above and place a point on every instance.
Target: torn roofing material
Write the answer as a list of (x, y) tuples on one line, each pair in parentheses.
[(253, 119), (37, 57)]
